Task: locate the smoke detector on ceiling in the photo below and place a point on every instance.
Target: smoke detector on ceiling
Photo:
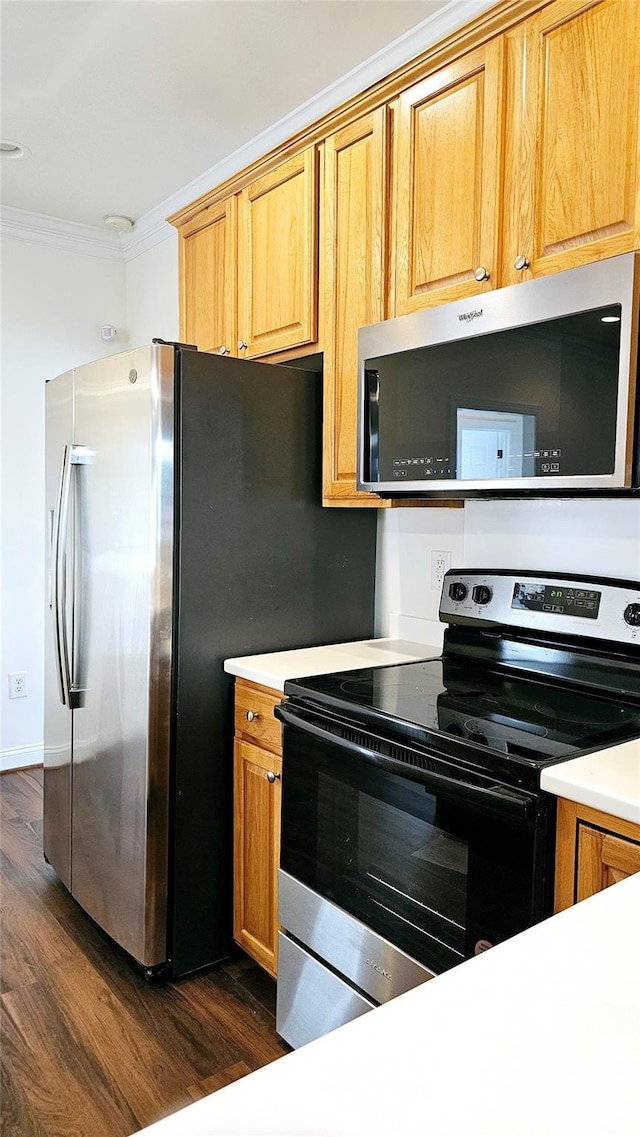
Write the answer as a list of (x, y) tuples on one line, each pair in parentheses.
[(9, 149), (118, 223)]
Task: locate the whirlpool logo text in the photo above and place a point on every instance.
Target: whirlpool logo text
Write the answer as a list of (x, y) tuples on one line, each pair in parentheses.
[(473, 315)]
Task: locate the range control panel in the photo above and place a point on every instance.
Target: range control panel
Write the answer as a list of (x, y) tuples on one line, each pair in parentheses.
[(603, 608)]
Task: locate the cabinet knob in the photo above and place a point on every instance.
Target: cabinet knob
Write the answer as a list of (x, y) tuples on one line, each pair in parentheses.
[(520, 263), (272, 776), (242, 345), (481, 273), (223, 350), (252, 716)]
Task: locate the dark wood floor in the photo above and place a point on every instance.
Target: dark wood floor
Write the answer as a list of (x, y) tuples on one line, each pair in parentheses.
[(88, 1047)]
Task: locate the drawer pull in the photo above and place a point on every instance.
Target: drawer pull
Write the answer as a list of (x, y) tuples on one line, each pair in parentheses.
[(521, 263), (272, 777), (252, 716)]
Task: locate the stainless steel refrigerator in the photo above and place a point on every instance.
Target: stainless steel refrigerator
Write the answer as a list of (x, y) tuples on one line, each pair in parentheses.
[(184, 526)]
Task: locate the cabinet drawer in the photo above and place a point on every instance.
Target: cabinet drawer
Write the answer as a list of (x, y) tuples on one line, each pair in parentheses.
[(254, 717)]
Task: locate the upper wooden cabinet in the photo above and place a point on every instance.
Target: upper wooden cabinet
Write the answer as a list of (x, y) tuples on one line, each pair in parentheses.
[(355, 206), (249, 266), (515, 141), (208, 279), (572, 171), (448, 181), (278, 258)]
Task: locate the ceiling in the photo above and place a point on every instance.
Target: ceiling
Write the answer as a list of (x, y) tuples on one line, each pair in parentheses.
[(122, 103)]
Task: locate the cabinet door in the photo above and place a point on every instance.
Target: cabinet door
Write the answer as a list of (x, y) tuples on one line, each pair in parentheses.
[(448, 184), (257, 797), (593, 851), (355, 204), (208, 279), (278, 258), (603, 859), (573, 171)]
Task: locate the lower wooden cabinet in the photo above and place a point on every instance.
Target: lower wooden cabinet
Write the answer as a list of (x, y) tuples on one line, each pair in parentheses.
[(257, 798), (593, 851)]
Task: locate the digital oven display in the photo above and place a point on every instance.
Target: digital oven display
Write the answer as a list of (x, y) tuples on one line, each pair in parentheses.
[(557, 599)]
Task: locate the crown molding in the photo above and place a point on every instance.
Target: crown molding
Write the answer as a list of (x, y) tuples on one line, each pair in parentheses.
[(401, 51), (70, 235), (152, 227)]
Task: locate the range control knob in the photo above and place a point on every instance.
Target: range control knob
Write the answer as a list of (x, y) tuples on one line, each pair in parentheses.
[(482, 594), (632, 615), (458, 591)]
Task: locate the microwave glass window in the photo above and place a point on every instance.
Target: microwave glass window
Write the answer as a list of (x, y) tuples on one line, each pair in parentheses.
[(528, 402)]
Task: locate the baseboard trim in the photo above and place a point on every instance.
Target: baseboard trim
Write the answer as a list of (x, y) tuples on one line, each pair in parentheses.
[(21, 758)]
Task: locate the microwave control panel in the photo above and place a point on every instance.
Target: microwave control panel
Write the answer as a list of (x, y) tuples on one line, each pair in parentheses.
[(601, 608)]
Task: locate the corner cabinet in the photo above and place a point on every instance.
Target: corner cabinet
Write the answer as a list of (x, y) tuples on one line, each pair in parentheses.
[(249, 265), (593, 851), (256, 822), (207, 253), (572, 170)]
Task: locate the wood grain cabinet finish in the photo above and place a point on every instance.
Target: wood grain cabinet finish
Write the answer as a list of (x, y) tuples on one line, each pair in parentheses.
[(278, 258), (447, 171), (514, 142), (572, 170), (208, 279), (594, 850), (257, 801), (355, 208)]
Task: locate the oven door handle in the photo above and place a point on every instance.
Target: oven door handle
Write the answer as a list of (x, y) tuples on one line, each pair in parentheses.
[(508, 802)]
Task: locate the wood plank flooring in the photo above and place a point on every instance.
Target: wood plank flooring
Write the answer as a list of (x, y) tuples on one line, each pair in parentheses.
[(89, 1049)]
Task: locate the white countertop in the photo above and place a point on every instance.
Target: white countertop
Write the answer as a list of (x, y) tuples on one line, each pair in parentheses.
[(273, 668), (608, 780), (539, 1036)]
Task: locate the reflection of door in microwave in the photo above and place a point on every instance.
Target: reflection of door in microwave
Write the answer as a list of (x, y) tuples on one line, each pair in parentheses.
[(495, 444)]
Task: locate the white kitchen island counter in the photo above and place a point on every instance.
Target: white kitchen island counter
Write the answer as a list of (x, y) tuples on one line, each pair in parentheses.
[(539, 1037), (272, 669)]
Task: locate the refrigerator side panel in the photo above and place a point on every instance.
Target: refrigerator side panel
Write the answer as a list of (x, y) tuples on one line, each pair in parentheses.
[(122, 662), (262, 566), (58, 581)]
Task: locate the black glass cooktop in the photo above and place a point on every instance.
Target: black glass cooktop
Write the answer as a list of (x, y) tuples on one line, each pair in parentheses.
[(520, 719)]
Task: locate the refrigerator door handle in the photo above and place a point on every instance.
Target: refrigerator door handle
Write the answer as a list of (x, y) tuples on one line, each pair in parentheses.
[(59, 580), (72, 456)]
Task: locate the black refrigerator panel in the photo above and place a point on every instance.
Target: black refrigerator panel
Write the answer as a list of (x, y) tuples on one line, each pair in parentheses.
[(260, 566)]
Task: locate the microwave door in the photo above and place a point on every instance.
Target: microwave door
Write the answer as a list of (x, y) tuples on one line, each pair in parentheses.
[(533, 392)]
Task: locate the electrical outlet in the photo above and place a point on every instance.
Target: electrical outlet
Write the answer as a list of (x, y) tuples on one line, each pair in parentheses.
[(17, 684), (440, 562)]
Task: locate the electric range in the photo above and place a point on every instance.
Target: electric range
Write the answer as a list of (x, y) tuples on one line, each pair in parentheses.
[(414, 830)]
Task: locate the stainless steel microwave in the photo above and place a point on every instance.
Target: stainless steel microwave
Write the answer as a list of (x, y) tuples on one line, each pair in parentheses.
[(523, 391)]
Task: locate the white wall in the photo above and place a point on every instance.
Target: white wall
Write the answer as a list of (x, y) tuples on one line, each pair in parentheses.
[(581, 536), (54, 303), (152, 292)]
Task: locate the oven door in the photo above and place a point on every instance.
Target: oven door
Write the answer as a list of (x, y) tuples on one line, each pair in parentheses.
[(440, 860)]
